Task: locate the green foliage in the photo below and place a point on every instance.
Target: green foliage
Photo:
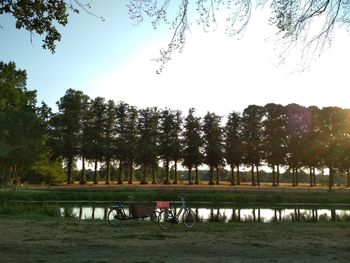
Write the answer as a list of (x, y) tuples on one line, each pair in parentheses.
[(40, 17), (46, 171), (233, 147), (274, 134), (169, 138), (213, 140), (22, 131), (252, 134), (148, 140), (193, 141), (65, 135), (5, 179)]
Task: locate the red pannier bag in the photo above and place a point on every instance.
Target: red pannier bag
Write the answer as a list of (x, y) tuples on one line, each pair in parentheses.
[(163, 204)]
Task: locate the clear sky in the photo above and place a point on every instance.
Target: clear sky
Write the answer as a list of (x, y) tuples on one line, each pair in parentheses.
[(113, 59)]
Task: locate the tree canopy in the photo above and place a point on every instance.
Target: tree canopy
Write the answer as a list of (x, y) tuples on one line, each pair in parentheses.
[(311, 22), (22, 130), (43, 16)]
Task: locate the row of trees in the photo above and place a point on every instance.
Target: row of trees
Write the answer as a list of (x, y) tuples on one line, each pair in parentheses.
[(291, 136), (35, 140)]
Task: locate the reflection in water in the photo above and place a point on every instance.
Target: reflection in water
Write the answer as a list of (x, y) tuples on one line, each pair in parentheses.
[(227, 215)]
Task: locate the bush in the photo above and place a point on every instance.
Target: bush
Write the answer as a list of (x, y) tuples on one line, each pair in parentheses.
[(4, 179), (48, 172)]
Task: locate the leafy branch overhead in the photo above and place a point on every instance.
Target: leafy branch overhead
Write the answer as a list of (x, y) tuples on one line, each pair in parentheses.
[(311, 22), (41, 16)]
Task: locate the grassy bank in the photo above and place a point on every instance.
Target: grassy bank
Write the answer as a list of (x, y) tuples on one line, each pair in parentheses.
[(192, 195), (94, 241)]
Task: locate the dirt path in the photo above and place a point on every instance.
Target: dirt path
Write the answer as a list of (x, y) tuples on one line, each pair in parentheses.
[(95, 241)]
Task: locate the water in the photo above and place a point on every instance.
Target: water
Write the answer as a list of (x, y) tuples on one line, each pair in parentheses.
[(226, 215)]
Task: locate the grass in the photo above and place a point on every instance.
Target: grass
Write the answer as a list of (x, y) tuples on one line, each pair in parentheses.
[(191, 195), (68, 240), (27, 211)]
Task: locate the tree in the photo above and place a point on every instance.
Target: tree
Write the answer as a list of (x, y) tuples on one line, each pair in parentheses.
[(85, 134), (252, 138), (42, 16), (298, 122), (148, 129), (169, 141), (293, 19), (345, 150), (274, 138), (22, 130), (165, 146), (131, 140), (98, 111), (109, 136), (121, 131), (213, 144), (66, 131), (312, 144), (193, 143), (176, 142), (333, 129), (233, 149)]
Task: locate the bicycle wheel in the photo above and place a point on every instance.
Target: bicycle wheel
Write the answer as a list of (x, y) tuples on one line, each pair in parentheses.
[(115, 217), (189, 218), (165, 219), (155, 216)]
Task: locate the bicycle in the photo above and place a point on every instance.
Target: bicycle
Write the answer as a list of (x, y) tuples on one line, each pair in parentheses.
[(117, 214), (168, 215)]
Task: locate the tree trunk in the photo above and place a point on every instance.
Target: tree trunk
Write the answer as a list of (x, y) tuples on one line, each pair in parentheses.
[(257, 174), (253, 178), (82, 177), (330, 179), (273, 175), (107, 171), (131, 172), (120, 172), (348, 177), (196, 175), (296, 177), (278, 175), (238, 175), (232, 175), (167, 181), (189, 175), (144, 172), (153, 175), (211, 175), (95, 173), (314, 176), (293, 176), (69, 170), (217, 176), (311, 181), (175, 175)]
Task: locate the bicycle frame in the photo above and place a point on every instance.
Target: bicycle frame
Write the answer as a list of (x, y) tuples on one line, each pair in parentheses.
[(169, 215), (182, 209)]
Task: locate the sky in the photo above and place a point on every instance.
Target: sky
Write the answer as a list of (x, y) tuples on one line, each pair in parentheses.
[(115, 60)]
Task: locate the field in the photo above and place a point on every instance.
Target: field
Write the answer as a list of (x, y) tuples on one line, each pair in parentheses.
[(64, 240), (39, 236)]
